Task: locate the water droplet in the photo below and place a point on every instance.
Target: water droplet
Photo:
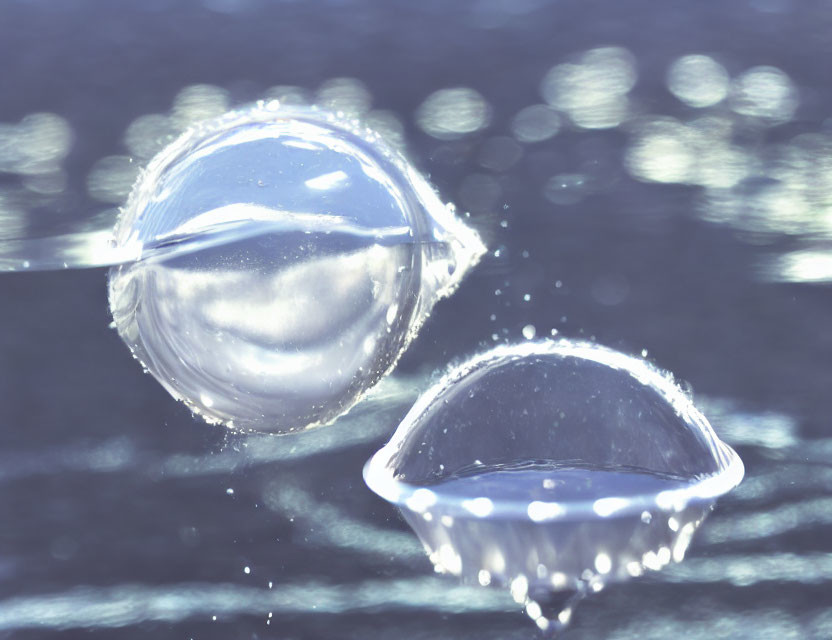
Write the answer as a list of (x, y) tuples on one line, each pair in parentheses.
[(584, 456), (285, 261)]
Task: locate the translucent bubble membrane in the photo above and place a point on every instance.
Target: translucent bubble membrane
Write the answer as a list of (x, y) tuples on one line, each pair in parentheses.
[(283, 259), (553, 467)]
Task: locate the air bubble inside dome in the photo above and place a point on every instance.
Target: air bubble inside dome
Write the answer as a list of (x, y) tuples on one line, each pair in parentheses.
[(285, 260)]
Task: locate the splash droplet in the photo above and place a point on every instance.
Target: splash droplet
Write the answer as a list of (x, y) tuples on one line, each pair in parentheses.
[(284, 260), (595, 466)]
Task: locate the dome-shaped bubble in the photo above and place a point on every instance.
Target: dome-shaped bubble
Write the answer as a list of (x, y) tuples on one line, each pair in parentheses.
[(553, 467), (285, 258)]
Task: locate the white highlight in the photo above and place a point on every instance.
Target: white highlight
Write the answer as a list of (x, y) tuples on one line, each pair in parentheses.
[(480, 507), (603, 563), (327, 181), (605, 507), (541, 511), (421, 500)]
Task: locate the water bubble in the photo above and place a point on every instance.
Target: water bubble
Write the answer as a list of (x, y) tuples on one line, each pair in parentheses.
[(283, 261), (593, 466)]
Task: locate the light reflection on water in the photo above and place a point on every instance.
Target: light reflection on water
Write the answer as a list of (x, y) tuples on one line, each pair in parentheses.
[(749, 180), (593, 89)]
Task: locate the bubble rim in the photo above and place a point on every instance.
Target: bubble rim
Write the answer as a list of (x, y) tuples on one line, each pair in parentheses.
[(378, 475)]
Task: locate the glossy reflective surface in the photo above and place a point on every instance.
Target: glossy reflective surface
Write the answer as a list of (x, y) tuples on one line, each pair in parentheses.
[(285, 259), (555, 466)]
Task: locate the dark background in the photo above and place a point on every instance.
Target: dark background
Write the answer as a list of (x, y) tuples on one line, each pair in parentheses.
[(116, 519)]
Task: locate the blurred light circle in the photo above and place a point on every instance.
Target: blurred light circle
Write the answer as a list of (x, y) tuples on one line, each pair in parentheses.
[(347, 95), (698, 81), (451, 113), (198, 102), (499, 153), (766, 93), (111, 179), (149, 134), (535, 123), (592, 90)]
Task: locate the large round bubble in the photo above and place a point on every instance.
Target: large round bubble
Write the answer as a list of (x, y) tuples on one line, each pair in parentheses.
[(554, 467), (285, 259)]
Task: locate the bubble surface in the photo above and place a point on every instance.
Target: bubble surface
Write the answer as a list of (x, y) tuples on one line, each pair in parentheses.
[(284, 260), (552, 468)]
